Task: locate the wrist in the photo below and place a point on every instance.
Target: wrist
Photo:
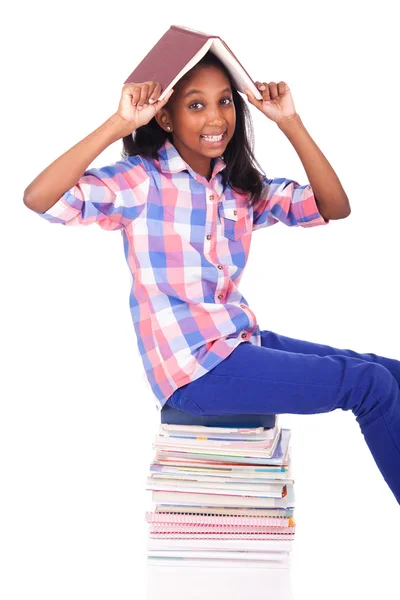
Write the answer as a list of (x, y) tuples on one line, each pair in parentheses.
[(290, 121), (119, 127)]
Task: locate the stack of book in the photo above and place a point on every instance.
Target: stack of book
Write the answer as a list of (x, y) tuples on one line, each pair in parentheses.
[(223, 496)]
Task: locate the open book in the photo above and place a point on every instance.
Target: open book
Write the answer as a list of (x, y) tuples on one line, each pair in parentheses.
[(180, 49)]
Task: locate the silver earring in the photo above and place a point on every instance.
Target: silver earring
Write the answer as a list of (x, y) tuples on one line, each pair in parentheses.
[(168, 127)]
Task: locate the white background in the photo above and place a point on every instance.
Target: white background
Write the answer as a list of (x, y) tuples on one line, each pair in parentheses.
[(77, 418)]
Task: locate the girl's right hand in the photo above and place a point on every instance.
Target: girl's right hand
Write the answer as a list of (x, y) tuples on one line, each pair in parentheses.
[(136, 95)]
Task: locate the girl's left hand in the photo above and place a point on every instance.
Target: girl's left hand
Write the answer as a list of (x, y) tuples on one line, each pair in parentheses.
[(277, 102)]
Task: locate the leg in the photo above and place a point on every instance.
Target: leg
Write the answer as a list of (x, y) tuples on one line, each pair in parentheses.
[(265, 380), (269, 339)]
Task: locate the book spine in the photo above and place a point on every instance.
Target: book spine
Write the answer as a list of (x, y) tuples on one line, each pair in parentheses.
[(164, 427), (188, 498), (249, 487), (202, 443), (191, 32), (220, 493)]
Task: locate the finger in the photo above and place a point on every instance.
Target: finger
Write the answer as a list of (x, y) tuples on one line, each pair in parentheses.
[(273, 90), (167, 97), (150, 90), (266, 95), (134, 91), (160, 103), (250, 96), (143, 95), (282, 87), (154, 96)]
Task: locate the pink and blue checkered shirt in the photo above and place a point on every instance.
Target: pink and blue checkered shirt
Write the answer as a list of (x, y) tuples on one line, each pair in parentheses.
[(186, 242)]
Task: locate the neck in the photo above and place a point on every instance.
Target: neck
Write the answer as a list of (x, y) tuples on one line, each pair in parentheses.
[(199, 163)]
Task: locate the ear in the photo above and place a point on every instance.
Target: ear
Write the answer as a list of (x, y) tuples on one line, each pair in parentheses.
[(163, 118)]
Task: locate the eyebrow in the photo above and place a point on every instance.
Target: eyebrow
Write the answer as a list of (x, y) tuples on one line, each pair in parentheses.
[(200, 92)]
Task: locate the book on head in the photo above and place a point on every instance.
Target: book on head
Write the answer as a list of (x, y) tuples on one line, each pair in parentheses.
[(179, 50)]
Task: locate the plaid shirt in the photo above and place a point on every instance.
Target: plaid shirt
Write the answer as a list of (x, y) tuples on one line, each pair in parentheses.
[(186, 242)]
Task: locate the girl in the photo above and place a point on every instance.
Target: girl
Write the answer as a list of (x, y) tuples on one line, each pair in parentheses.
[(186, 197)]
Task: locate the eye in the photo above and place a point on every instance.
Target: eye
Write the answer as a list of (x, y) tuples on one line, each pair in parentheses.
[(196, 103)]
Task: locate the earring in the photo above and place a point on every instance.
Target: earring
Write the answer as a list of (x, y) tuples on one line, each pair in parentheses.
[(168, 127)]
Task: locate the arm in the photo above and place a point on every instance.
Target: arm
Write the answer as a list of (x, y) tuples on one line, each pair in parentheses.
[(65, 171), (286, 201), (330, 197)]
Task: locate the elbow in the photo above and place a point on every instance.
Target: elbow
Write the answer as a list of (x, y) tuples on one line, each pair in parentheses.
[(337, 215), (32, 204), (343, 214), (341, 211), (28, 202), (346, 210), (346, 213)]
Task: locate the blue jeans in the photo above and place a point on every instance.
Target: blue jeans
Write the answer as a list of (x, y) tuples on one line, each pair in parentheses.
[(286, 375)]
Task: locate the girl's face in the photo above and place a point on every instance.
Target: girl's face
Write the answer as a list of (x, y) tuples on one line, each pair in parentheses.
[(201, 105)]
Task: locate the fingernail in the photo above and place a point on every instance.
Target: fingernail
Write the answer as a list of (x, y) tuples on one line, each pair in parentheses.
[(262, 87), (151, 101), (139, 107)]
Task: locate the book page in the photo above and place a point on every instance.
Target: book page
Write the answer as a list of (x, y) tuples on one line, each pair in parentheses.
[(239, 74)]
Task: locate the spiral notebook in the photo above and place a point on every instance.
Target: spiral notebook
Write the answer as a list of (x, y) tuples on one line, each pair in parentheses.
[(225, 511), (218, 520), (195, 530)]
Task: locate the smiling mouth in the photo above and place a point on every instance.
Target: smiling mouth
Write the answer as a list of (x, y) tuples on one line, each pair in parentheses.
[(213, 140)]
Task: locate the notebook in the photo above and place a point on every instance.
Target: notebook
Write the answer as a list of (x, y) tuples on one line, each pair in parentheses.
[(239, 521), (189, 498), (208, 544)]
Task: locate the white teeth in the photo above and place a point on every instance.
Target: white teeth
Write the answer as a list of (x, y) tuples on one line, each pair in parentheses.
[(213, 138)]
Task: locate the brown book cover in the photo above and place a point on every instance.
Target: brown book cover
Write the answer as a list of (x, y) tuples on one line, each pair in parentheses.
[(180, 49)]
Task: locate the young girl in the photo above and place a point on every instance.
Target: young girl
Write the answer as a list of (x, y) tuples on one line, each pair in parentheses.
[(186, 197)]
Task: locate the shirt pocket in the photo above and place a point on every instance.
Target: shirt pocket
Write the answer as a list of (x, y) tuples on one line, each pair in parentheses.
[(235, 220)]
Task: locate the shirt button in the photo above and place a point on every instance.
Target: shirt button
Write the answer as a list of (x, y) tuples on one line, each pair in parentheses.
[(235, 212), (244, 334), (209, 237), (220, 267), (243, 305), (220, 296), (211, 197)]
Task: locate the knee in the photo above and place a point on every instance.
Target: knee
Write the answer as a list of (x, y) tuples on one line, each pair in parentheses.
[(375, 390)]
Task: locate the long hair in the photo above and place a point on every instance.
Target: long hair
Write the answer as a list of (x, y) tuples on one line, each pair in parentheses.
[(241, 171)]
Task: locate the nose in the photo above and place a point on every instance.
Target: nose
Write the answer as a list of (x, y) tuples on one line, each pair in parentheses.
[(215, 115)]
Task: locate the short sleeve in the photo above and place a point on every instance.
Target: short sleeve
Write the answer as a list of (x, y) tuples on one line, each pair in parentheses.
[(112, 196), (286, 201)]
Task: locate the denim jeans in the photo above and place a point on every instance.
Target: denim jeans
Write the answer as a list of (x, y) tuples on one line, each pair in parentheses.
[(287, 375)]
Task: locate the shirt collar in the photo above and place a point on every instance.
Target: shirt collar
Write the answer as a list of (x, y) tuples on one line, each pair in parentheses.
[(172, 162)]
